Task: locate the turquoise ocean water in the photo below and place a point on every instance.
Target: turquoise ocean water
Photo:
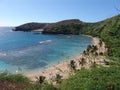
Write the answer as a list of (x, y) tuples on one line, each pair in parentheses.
[(23, 52)]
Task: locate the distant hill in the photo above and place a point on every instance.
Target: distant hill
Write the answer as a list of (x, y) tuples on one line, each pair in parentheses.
[(74, 26), (95, 29), (46, 26), (30, 26), (64, 27)]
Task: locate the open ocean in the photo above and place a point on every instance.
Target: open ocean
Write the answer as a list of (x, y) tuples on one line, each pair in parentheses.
[(24, 52)]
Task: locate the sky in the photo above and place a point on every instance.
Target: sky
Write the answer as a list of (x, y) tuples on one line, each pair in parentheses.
[(17, 12)]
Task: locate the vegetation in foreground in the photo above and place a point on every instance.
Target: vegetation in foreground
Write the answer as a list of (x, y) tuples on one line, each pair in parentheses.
[(20, 82), (102, 78), (93, 79)]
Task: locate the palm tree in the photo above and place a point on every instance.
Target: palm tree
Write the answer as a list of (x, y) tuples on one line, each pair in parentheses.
[(40, 79), (58, 78), (100, 42), (72, 64), (82, 62), (96, 54), (89, 48), (94, 49), (84, 52)]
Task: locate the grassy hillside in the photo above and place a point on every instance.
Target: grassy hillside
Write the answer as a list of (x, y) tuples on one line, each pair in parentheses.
[(20, 82), (94, 79)]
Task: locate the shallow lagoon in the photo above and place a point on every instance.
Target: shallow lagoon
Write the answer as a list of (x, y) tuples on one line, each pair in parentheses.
[(23, 52)]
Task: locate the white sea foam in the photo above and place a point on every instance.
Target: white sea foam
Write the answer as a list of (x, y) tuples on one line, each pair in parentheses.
[(45, 42), (3, 54), (21, 52)]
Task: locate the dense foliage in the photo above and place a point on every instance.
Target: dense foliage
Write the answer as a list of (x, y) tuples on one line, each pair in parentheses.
[(64, 29), (94, 79), (109, 31)]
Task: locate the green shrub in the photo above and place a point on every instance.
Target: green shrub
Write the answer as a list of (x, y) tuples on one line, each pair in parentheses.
[(14, 77), (93, 79)]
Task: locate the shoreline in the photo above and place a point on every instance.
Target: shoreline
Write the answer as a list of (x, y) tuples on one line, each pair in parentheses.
[(63, 68)]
